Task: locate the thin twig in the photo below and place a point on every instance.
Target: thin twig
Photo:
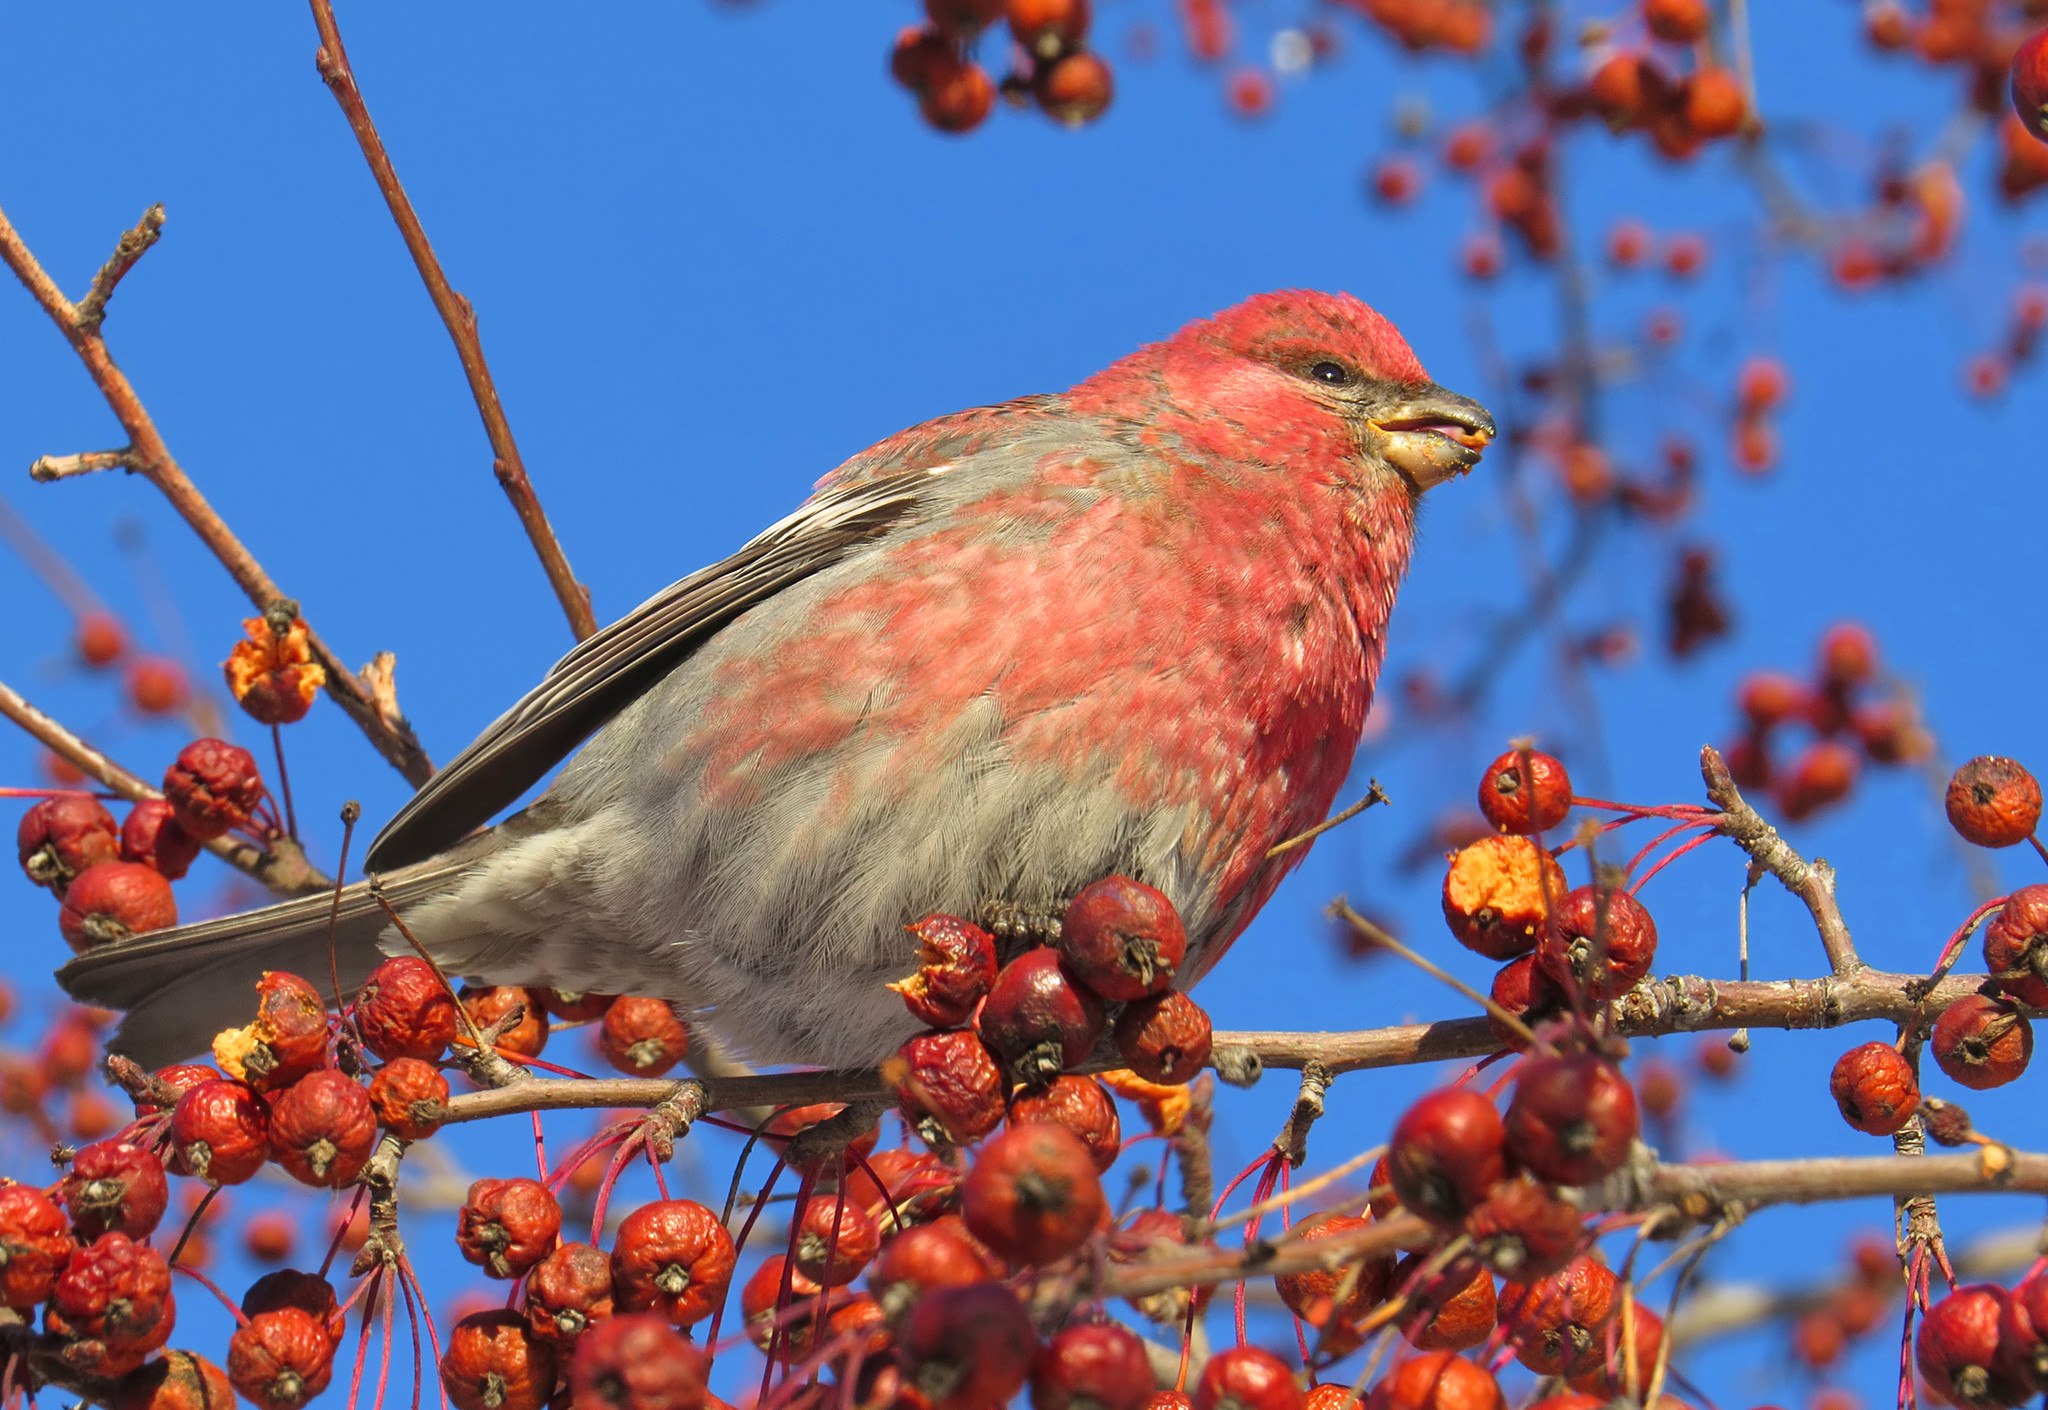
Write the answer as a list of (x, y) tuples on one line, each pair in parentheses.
[(460, 319), (1374, 794), (148, 456), (1812, 882)]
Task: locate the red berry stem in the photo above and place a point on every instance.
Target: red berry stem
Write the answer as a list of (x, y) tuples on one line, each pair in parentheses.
[(1644, 880), (1658, 841), (205, 1282), (284, 788), (1953, 949)]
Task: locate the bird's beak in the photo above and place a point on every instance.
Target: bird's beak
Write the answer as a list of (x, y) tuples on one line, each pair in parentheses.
[(1432, 435)]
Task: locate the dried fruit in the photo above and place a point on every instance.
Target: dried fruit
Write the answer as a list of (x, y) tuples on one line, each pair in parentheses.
[(179, 1077), (1628, 1355), (1958, 1349), (1082, 1105), (1039, 1019), (1572, 1119), (948, 1087), (1599, 943), (272, 674), (674, 1257), (114, 1186), (110, 902), (1982, 1043), (1452, 1310), (178, 1380), (1165, 1040), (35, 1242), (2016, 946), (941, 1254), (1557, 1323), (1246, 1378), (488, 1005), (1032, 1194), (62, 835), (1875, 1088), (220, 1132), (1098, 1366), (835, 1240), (1525, 791), (1446, 1152), (1994, 802), (642, 1037), (118, 1292), (322, 1129), (956, 969), (1498, 893), (213, 788), (308, 1292), (409, 1097), (404, 1010), (281, 1359), (150, 835), (507, 1226), (569, 1291), (495, 1362), (1122, 939), (1331, 1300), (967, 1348), (1524, 1230), (636, 1362), (287, 1040)]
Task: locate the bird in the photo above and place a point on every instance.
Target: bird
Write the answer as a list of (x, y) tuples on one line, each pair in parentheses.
[(1131, 629)]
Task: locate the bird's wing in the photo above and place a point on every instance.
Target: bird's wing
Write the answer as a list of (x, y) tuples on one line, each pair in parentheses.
[(601, 676)]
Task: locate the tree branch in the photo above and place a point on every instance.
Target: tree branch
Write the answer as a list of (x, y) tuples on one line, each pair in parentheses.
[(1812, 882), (460, 320), (148, 456)]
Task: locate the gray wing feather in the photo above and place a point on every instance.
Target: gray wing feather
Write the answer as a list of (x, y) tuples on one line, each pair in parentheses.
[(603, 675)]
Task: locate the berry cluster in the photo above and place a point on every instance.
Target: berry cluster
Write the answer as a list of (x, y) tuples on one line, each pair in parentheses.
[(1051, 67), (1632, 90)]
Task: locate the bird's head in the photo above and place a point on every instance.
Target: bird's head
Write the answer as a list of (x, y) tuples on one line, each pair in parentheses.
[(1286, 374)]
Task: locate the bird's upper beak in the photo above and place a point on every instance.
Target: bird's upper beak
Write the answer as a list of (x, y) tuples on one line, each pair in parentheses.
[(1432, 435)]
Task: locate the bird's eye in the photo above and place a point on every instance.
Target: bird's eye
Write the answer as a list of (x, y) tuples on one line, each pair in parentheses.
[(1333, 374)]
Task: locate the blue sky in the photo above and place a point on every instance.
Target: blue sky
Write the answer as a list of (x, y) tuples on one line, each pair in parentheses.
[(714, 253)]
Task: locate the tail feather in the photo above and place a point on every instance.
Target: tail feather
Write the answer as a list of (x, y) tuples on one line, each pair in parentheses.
[(182, 986)]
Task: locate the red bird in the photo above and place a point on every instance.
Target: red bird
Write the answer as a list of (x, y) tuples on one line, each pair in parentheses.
[(1130, 628)]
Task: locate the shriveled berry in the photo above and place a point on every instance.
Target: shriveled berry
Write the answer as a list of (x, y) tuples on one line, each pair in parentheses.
[(150, 835), (835, 1240), (1958, 1350), (956, 967), (1082, 1105), (642, 1037), (1167, 1039), (35, 1242), (2023, 1330), (1875, 1088), (1451, 1310), (109, 902), (287, 1040), (409, 1098), (1599, 943), (213, 788), (178, 1078), (1628, 1355), (113, 1185), (1153, 1235), (495, 1362), (967, 1348), (2016, 946), (488, 1005), (220, 1132), (118, 1292), (404, 1009), (1572, 1119), (1498, 893), (636, 1362), (568, 1292), (1039, 1019), (948, 1087), (62, 835), (1523, 1230), (1032, 1194), (322, 1129), (279, 1360), (178, 1380), (672, 1256), (1525, 791), (1994, 802), (272, 673), (1246, 1378), (1094, 1366), (1982, 1043), (507, 1226), (1122, 939), (1557, 1323), (308, 1292), (782, 1322), (1333, 1300), (1446, 1152)]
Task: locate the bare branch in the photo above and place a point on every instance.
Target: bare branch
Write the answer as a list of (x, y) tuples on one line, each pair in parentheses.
[(460, 319), (1812, 882), (92, 309), (62, 467)]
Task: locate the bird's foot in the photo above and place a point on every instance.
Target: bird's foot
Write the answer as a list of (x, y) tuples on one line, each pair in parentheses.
[(1018, 927)]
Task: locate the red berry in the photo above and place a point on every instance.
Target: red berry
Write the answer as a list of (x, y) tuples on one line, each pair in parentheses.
[(110, 902), (1599, 943), (956, 969), (672, 1256), (100, 639), (948, 1087), (1982, 1043), (2030, 83), (1994, 802), (1098, 1366), (270, 1235), (963, 18), (1246, 1378), (1572, 1119), (112, 1185), (1714, 103), (1525, 791), (1039, 1019), (487, 1005), (568, 1292), (636, 1362), (1122, 939), (1617, 89), (1875, 1089), (1334, 1300), (35, 1243), (642, 1037), (1032, 1195), (404, 1009), (1760, 385), (1524, 989), (1523, 1230), (179, 1078), (287, 1040), (118, 1292), (1076, 88), (308, 1292), (919, 52), (213, 788), (1822, 775), (495, 1362), (1082, 1105), (1677, 21), (1611, 1375), (941, 1254), (178, 1380), (61, 836), (1048, 28), (2016, 946), (1556, 1324), (272, 674), (1452, 1310), (220, 1132), (322, 1129), (835, 1240), (1446, 1153), (1165, 1040), (967, 1348), (151, 835), (1958, 1349), (507, 1226), (157, 686), (958, 95), (279, 1360), (2023, 1331), (1498, 894)]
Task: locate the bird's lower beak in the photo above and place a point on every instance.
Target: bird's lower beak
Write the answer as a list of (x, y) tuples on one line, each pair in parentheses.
[(1433, 436)]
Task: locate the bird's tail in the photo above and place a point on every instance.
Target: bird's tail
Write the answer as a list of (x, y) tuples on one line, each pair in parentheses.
[(180, 987)]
